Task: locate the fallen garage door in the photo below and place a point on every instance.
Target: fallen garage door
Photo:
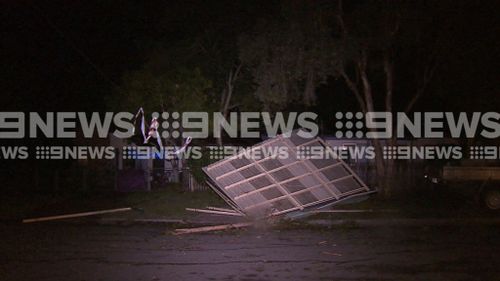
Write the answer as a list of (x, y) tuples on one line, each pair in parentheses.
[(281, 175)]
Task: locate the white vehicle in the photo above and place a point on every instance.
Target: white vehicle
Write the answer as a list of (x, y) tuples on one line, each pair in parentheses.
[(483, 179)]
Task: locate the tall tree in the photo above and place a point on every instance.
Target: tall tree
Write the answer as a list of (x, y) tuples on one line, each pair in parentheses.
[(374, 39), (288, 56)]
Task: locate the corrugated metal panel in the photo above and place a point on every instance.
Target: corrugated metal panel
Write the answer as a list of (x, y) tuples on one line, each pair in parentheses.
[(271, 184)]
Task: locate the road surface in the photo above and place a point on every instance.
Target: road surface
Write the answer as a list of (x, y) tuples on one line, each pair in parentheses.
[(94, 252)]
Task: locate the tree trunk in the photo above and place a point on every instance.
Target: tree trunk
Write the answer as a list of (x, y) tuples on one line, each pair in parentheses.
[(309, 96), (221, 108), (390, 175), (368, 97), (227, 94)]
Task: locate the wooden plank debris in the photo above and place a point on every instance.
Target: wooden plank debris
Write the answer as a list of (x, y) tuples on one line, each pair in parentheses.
[(76, 215), (223, 210), (212, 228), (331, 254), (215, 212), (355, 211)]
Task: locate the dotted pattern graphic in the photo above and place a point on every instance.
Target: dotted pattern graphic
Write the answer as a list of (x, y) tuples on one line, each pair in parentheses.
[(476, 152), (42, 152), (216, 152), (390, 152), (129, 152), (304, 152), (169, 121), (349, 125)]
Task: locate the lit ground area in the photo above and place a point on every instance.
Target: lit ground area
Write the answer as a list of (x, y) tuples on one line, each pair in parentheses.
[(92, 252)]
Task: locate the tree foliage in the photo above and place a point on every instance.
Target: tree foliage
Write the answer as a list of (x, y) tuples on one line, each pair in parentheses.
[(178, 90), (289, 56)]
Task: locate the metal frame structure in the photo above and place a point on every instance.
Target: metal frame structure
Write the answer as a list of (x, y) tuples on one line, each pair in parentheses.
[(270, 185)]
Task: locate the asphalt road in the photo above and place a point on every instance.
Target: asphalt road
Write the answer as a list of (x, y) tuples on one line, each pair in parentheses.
[(93, 252)]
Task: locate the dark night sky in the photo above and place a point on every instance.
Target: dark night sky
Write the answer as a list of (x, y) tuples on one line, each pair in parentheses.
[(51, 48), (66, 55), (69, 55)]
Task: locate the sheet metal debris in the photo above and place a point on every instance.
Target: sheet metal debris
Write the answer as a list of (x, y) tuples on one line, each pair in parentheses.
[(282, 180)]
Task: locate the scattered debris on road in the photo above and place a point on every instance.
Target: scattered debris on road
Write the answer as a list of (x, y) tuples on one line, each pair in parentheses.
[(332, 254), (278, 179)]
